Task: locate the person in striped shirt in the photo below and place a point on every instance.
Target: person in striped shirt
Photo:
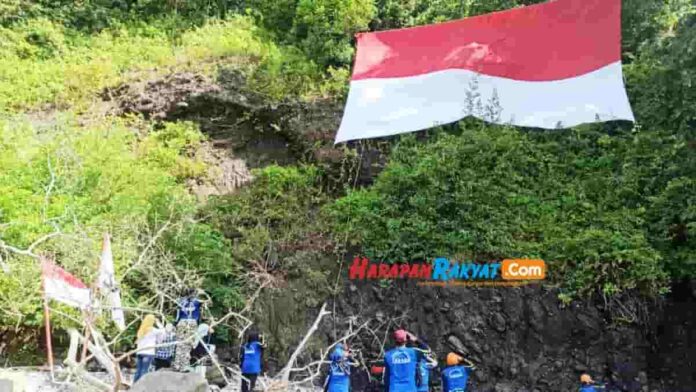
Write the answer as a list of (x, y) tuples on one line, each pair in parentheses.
[(164, 353)]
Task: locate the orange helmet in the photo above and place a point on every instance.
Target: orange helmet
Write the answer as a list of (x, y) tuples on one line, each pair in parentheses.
[(453, 359), (586, 379)]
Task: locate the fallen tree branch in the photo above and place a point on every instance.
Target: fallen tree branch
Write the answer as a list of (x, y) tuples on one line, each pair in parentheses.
[(285, 373), (317, 364), (148, 246)]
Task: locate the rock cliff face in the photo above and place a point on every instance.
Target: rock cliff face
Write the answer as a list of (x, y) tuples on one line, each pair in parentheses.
[(247, 129), (525, 339)]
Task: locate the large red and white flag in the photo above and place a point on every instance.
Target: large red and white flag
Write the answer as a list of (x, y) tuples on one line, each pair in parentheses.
[(63, 287), (550, 65)]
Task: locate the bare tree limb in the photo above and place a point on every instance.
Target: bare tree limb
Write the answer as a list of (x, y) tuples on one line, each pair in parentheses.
[(148, 246), (30, 250), (285, 373)]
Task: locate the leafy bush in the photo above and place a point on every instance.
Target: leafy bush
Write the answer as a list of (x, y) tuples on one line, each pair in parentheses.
[(395, 13), (573, 198), (36, 38), (323, 29), (175, 147), (277, 212), (662, 79)]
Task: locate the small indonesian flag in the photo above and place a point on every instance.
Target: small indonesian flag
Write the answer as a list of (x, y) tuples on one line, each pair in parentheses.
[(550, 65), (61, 286)]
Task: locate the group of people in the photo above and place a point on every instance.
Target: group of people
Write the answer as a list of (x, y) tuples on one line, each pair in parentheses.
[(166, 346), (407, 368), (158, 346)]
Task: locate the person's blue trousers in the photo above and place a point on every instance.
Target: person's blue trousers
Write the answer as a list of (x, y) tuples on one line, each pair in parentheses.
[(142, 365)]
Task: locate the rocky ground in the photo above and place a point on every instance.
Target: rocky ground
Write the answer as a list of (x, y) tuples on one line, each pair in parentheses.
[(40, 381)]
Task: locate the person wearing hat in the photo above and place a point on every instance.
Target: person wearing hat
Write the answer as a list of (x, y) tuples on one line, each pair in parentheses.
[(401, 363), (456, 374), (587, 383)]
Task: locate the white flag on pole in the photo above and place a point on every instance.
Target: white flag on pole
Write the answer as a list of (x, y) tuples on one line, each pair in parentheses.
[(108, 284)]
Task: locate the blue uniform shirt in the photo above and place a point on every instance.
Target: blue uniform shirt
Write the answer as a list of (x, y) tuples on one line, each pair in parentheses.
[(339, 377), (251, 359), (588, 388), (400, 366), (189, 309), (424, 376), (454, 378)]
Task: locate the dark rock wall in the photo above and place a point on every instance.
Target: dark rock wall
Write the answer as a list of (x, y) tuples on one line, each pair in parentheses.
[(525, 339), (673, 359)]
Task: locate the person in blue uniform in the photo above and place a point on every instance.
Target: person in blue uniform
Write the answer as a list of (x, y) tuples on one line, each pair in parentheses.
[(424, 367), (456, 374), (401, 363), (250, 358), (338, 379), (587, 384)]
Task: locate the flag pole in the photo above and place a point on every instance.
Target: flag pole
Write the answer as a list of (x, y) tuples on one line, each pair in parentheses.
[(88, 314), (88, 335), (47, 322)]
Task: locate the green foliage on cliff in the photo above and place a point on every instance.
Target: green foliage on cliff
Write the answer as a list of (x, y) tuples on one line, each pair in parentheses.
[(276, 213), (579, 199)]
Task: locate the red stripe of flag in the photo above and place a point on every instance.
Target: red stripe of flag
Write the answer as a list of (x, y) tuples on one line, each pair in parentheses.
[(52, 271), (550, 41)]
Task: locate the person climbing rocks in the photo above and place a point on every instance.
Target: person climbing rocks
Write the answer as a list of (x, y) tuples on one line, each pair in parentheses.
[(587, 384), (188, 314), (425, 365), (250, 358), (147, 336), (401, 363), (338, 379), (456, 373)]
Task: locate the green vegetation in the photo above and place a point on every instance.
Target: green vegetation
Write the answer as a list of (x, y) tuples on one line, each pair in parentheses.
[(80, 181), (43, 64), (575, 198), (611, 207)]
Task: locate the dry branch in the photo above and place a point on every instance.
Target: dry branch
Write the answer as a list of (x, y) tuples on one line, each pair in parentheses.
[(285, 373)]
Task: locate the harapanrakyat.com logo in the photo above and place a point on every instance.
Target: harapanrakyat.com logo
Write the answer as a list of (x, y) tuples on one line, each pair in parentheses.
[(444, 272)]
